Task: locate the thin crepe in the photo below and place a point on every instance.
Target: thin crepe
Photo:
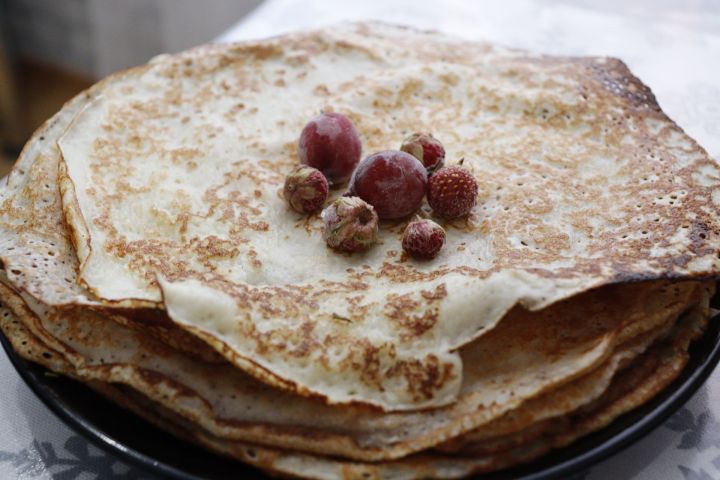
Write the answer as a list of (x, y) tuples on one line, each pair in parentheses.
[(170, 180)]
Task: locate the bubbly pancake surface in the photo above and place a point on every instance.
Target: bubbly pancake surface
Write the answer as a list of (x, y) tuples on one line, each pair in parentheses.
[(171, 180)]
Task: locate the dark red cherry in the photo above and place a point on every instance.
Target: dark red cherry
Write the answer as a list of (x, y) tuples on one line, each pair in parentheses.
[(330, 143), (393, 182)]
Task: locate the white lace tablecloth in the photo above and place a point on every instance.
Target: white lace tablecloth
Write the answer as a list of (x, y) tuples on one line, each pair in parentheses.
[(672, 46)]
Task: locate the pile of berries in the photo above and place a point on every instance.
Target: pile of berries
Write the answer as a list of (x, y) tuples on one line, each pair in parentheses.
[(386, 185)]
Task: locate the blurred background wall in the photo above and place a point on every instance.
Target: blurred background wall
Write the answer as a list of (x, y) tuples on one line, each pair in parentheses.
[(97, 37), (52, 49)]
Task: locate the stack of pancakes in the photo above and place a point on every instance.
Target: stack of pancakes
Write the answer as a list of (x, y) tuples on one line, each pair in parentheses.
[(147, 252)]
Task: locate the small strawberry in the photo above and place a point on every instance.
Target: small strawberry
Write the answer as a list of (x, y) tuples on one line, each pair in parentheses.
[(306, 189), (425, 148), (452, 192), (351, 224), (423, 239)]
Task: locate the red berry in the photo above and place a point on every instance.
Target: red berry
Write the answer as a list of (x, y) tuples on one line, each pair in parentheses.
[(452, 192), (330, 143), (350, 224), (393, 182), (425, 148), (306, 189), (423, 239)]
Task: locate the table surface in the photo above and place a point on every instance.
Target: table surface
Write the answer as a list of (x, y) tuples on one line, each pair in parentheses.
[(672, 46)]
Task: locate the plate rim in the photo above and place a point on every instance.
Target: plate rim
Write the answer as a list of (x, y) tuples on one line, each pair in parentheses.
[(77, 423)]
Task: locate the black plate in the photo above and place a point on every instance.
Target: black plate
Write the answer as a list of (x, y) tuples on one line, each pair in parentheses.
[(136, 441)]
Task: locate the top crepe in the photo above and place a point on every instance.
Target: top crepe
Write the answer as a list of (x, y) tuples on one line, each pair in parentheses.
[(171, 182)]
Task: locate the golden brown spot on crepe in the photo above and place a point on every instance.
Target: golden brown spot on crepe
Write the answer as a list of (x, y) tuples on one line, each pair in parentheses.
[(423, 376), (321, 90), (416, 314)]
